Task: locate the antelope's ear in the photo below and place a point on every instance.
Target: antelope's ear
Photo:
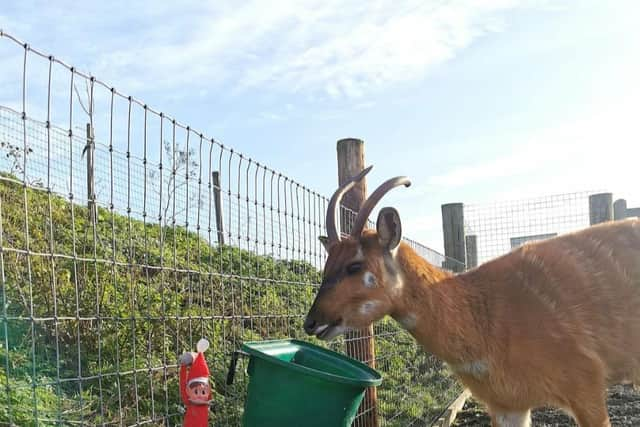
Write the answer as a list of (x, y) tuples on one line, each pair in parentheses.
[(389, 228), (325, 242)]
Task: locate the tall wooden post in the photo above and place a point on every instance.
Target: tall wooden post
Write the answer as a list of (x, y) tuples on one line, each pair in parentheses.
[(453, 233), (360, 344), (217, 200), (89, 151), (600, 208)]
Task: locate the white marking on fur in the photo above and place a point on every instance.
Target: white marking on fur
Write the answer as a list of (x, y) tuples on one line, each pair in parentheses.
[(368, 307), (514, 419), (537, 262), (397, 284), (394, 252), (409, 321), (369, 280), (475, 368)]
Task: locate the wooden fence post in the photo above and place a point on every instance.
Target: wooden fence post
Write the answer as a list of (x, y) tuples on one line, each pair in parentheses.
[(600, 208), (620, 209), (453, 233), (360, 344), (217, 200), (89, 151)]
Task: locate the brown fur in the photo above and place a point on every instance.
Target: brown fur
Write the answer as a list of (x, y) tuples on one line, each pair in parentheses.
[(551, 323)]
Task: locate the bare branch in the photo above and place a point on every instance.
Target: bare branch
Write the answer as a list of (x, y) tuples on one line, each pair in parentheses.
[(87, 109), (75, 88)]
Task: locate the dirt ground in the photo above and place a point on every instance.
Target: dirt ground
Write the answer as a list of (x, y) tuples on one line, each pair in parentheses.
[(624, 410)]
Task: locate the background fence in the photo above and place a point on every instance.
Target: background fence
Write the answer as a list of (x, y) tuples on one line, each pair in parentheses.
[(499, 227), (125, 236), (474, 234)]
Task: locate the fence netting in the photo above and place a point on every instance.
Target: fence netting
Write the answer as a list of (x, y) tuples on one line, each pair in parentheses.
[(126, 236), (496, 228)]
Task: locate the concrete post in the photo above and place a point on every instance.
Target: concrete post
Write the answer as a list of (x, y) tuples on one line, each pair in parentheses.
[(471, 243), (600, 208), (619, 209)]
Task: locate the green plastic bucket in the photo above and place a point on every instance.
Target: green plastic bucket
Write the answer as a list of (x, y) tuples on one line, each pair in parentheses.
[(294, 383)]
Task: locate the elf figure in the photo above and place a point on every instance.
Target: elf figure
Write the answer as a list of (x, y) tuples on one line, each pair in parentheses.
[(194, 386)]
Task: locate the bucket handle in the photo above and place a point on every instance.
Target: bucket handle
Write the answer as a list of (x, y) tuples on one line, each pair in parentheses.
[(232, 366)]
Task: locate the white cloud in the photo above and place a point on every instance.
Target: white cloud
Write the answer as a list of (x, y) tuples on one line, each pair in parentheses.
[(376, 46), (527, 158), (332, 48), (268, 115), (594, 152)]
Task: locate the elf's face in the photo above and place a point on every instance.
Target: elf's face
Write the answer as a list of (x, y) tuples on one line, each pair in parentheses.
[(198, 392)]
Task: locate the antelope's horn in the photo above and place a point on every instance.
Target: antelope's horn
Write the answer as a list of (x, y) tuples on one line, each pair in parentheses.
[(372, 201), (333, 233)]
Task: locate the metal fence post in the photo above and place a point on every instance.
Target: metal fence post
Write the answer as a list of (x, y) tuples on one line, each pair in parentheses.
[(619, 209), (217, 200), (600, 208), (89, 151), (453, 233), (360, 344)]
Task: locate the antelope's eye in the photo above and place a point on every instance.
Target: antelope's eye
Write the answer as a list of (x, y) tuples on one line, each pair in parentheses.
[(354, 267)]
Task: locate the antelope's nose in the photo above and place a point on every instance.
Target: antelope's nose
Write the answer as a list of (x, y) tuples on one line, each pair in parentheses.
[(309, 325)]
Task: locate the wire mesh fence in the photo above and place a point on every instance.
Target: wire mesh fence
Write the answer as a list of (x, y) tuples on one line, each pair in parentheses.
[(125, 236), (497, 228)]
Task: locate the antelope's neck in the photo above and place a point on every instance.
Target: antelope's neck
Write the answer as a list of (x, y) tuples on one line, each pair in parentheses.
[(438, 309)]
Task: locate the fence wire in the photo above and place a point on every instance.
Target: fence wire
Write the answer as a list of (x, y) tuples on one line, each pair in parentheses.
[(497, 228), (125, 236)]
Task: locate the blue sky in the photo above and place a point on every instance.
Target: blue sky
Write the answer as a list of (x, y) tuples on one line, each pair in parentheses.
[(474, 100)]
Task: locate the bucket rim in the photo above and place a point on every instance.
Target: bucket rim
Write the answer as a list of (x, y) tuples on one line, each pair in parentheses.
[(375, 379)]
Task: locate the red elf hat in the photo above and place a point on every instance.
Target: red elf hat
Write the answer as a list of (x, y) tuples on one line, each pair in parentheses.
[(199, 371)]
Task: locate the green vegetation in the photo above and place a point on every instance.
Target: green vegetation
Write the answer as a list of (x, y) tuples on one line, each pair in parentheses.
[(92, 333)]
